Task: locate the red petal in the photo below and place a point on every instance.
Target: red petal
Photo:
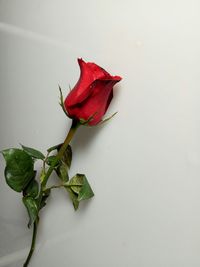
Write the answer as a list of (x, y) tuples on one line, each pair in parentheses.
[(96, 104), (89, 73)]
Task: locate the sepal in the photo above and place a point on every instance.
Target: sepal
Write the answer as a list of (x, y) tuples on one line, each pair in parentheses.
[(62, 102)]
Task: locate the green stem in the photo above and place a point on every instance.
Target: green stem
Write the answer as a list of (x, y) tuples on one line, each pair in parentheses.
[(75, 125), (61, 185), (32, 244), (54, 186)]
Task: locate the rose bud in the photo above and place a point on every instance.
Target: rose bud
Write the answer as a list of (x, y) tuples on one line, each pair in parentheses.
[(92, 94)]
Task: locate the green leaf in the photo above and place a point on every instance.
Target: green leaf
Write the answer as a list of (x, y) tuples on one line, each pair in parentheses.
[(76, 183), (54, 148), (79, 189), (32, 189), (33, 152), (74, 197), (67, 156), (32, 209), (86, 190), (45, 195), (51, 159), (65, 163), (62, 172), (19, 168)]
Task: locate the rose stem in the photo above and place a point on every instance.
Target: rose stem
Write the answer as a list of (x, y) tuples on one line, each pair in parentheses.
[(32, 244), (74, 126)]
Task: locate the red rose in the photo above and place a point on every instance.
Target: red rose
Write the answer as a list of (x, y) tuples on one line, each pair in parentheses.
[(92, 94)]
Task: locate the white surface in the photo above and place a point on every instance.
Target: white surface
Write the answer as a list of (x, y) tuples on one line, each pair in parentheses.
[(144, 165)]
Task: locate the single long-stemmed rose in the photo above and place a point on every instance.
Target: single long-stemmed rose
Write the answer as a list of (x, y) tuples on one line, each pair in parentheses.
[(86, 104)]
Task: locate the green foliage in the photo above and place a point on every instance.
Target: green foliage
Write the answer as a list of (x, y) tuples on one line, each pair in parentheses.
[(65, 164), (32, 209), (73, 196), (33, 152), (20, 176), (62, 171), (19, 168), (32, 189), (79, 189), (67, 156), (45, 195), (52, 148), (50, 161)]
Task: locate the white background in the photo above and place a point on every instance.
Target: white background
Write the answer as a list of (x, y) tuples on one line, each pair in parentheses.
[(144, 165)]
